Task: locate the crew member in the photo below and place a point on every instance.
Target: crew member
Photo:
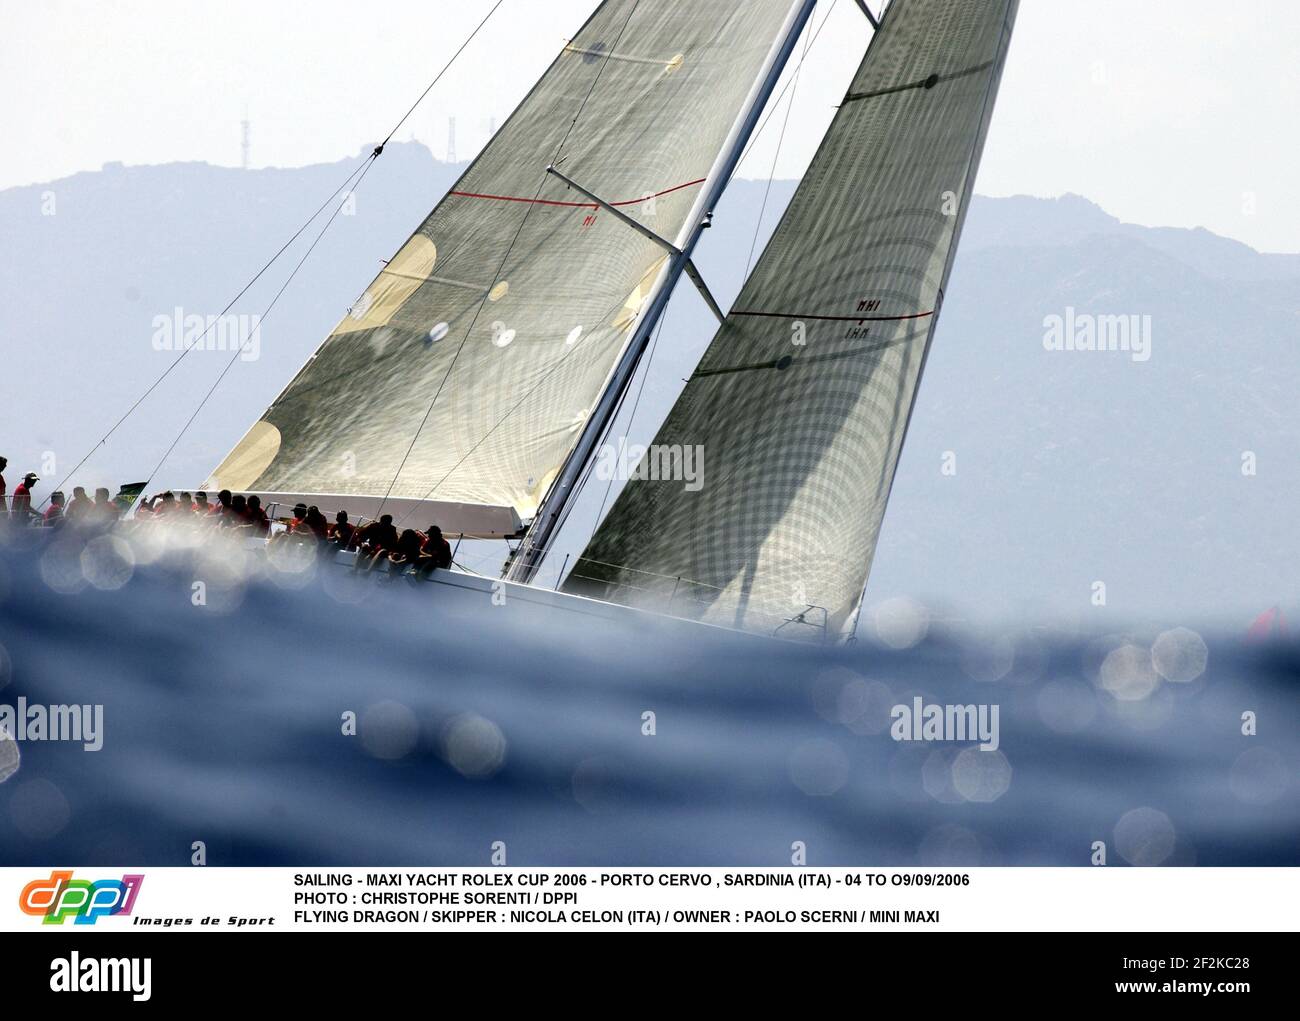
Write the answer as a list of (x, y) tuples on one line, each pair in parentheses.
[(222, 506), (54, 512), (80, 506), (255, 517), (106, 508), (22, 502), (341, 531), (435, 552), (377, 536)]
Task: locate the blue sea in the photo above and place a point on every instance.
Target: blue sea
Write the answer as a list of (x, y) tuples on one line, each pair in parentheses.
[(281, 711)]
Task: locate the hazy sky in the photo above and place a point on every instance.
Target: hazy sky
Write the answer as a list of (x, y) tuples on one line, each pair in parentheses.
[(1166, 112)]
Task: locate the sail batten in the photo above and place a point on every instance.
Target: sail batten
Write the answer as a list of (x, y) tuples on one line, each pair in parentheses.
[(467, 370), (800, 404)]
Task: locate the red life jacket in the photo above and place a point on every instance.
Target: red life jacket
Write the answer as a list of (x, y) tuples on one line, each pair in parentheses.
[(439, 549), (22, 503)]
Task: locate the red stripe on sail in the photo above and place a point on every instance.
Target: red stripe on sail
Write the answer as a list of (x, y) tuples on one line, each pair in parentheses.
[(573, 205)]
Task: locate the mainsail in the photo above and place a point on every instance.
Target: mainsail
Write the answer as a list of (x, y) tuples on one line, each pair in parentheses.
[(798, 409), (466, 370)]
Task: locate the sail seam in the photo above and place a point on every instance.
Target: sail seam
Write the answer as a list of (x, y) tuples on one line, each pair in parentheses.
[(788, 361), (923, 83), (505, 258), (574, 205), (837, 319), (625, 57), (551, 515)]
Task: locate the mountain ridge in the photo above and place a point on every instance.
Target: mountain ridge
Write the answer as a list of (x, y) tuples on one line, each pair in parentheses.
[(1078, 439)]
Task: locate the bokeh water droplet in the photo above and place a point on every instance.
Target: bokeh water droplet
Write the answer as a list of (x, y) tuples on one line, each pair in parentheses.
[(1067, 706), (979, 775), (474, 746), (901, 623), (865, 706), (1180, 655), (1259, 776), (107, 562), (990, 659), (1145, 836), (937, 777), (61, 567), (39, 809), (949, 846), (389, 730), (1127, 673), (819, 767)]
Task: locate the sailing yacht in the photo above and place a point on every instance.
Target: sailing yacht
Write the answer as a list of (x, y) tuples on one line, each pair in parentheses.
[(476, 379)]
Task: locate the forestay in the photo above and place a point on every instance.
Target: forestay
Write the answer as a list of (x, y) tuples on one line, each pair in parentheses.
[(466, 370)]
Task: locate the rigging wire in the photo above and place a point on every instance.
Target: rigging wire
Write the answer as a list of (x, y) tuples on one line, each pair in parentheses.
[(370, 162), (438, 77), (776, 155), (177, 360), (645, 373), (510, 248), (809, 39), (775, 103), (347, 184), (792, 84)]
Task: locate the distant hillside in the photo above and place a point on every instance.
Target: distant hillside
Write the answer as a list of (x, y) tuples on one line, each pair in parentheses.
[(1077, 466), (127, 244), (1071, 466)]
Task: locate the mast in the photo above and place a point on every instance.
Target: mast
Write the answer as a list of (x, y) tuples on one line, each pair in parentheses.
[(804, 396), (555, 507), (465, 372)]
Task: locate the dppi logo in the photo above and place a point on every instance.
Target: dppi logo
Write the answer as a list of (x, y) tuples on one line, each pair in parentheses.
[(60, 896)]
